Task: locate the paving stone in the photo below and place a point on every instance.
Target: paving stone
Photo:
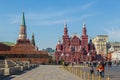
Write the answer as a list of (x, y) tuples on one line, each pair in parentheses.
[(45, 72)]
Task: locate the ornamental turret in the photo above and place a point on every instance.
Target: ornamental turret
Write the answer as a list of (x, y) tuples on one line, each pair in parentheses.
[(23, 34), (65, 30), (84, 31), (59, 46), (33, 40), (66, 40), (91, 45), (84, 38)]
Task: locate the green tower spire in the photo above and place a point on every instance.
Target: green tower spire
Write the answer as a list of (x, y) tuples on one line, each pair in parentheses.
[(23, 20)]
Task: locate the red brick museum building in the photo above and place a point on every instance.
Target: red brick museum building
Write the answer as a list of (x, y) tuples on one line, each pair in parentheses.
[(75, 48)]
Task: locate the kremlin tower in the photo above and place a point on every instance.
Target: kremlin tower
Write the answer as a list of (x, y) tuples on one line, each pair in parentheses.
[(22, 41), (24, 49), (23, 34)]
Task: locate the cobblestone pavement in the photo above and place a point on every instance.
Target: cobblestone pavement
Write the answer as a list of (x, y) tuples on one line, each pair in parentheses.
[(54, 72), (45, 72)]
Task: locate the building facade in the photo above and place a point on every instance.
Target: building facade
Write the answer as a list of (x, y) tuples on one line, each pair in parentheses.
[(75, 48), (115, 46), (24, 49), (115, 56), (113, 51), (101, 44)]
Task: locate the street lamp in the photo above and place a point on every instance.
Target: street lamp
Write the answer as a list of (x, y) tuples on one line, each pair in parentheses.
[(62, 60), (62, 55), (88, 57)]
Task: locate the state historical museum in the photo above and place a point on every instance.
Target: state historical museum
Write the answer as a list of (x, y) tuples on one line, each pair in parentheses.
[(75, 48), (24, 49)]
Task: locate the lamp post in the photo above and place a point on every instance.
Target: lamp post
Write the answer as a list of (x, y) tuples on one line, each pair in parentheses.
[(88, 57), (117, 59), (106, 51), (62, 60), (62, 55)]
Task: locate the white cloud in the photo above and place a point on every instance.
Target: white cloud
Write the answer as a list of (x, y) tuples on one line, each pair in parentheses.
[(44, 16), (113, 29), (59, 13), (60, 21), (53, 17), (88, 5), (84, 16), (49, 22), (114, 34), (13, 18)]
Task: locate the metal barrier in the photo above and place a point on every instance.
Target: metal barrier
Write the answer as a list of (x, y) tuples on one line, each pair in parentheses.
[(84, 75)]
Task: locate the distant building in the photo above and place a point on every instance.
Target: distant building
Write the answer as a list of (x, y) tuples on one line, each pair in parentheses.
[(24, 49), (75, 48), (101, 44), (114, 50), (115, 45), (115, 56), (49, 50)]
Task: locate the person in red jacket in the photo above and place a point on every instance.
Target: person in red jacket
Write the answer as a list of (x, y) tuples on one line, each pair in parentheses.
[(101, 69)]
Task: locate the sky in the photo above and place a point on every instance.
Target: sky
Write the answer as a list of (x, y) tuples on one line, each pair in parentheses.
[(45, 18)]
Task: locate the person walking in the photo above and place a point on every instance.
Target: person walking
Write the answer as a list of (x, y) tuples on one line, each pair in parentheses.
[(101, 70), (72, 64), (97, 68), (91, 70)]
